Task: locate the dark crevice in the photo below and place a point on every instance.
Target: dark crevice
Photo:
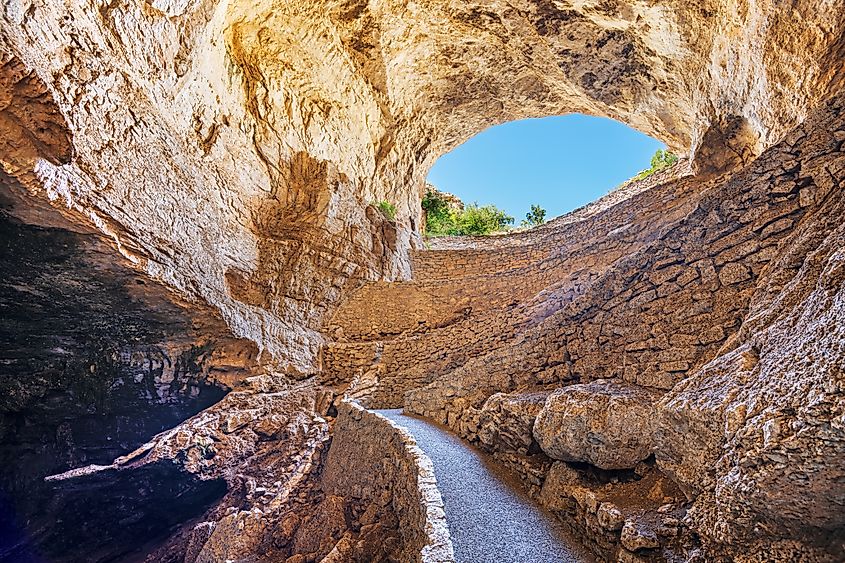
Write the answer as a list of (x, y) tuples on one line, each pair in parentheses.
[(95, 359)]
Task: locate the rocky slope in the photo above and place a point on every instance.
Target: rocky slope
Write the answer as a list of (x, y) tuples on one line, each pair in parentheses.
[(187, 211), (712, 345)]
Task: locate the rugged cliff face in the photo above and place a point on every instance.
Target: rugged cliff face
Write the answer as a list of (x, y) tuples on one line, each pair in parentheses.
[(697, 340), (232, 148), (232, 152)]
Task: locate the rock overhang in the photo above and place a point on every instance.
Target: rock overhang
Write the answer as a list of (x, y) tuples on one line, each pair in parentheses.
[(234, 150), (216, 100)]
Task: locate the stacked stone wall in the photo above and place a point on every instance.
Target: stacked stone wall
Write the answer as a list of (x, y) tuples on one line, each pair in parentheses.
[(373, 458), (659, 312), (407, 334), (720, 298)]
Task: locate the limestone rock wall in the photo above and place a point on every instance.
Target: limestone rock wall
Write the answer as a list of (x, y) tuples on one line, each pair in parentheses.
[(232, 149), (95, 358), (374, 459), (166, 160), (496, 305), (775, 391)]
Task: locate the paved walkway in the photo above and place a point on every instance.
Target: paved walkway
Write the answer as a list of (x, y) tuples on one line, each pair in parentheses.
[(491, 521)]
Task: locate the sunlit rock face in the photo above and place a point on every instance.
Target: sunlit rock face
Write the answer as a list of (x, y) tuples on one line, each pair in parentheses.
[(607, 425), (711, 308), (235, 152), (233, 147)]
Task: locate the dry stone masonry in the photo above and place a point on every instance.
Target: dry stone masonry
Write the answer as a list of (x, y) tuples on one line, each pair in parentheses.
[(196, 279), (373, 458), (594, 368)]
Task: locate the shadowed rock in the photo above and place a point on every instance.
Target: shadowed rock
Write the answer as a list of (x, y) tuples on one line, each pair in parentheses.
[(506, 421)]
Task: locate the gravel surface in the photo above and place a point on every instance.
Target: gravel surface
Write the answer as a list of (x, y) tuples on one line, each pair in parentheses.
[(490, 518)]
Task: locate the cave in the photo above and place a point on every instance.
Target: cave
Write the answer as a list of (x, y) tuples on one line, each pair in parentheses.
[(97, 358), (205, 313)]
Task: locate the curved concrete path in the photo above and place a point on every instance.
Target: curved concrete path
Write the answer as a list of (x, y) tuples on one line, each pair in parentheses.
[(490, 520)]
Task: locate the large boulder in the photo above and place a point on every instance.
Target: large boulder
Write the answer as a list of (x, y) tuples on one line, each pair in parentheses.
[(605, 423), (506, 421)]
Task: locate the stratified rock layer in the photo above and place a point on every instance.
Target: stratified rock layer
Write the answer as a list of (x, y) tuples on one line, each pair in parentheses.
[(725, 300), (234, 149)]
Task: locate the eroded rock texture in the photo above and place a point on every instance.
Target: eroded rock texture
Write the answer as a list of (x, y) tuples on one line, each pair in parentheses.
[(606, 424), (274, 125), (96, 358), (233, 152), (673, 290)]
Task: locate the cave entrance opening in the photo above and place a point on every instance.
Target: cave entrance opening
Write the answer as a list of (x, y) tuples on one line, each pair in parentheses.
[(555, 163)]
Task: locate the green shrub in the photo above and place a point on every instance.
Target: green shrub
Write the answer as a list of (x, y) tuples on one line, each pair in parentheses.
[(481, 220), (387, 209), (535, 217), (473, 219), (438, 215), (660, 160)]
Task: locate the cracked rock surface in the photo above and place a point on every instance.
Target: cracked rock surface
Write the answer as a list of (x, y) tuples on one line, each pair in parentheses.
[(606, 424), (233, 149), (195, 271)]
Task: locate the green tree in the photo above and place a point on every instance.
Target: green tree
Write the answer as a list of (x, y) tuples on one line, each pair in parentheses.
[(473, 219), (660, 160), (438, 217), (535, 217), (663, 159)]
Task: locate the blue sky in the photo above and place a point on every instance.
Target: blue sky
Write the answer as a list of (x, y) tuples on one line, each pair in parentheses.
[(560, 163)]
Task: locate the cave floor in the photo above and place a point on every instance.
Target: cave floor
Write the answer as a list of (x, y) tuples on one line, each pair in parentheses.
[(490, 518)]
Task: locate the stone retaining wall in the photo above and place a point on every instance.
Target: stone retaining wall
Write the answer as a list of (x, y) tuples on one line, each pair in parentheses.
[(647, 290), (373, 458), (406, 335), (659, 312)]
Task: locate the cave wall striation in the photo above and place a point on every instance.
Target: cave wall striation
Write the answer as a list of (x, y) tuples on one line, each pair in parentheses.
[(195, 271), (234, 149), (689, 338)]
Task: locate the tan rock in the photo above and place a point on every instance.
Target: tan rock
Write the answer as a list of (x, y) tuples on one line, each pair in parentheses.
[(561, 487), (506, 421), (610, 517), (636, 535), (234, 151), (733, 273), (607, 424)]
